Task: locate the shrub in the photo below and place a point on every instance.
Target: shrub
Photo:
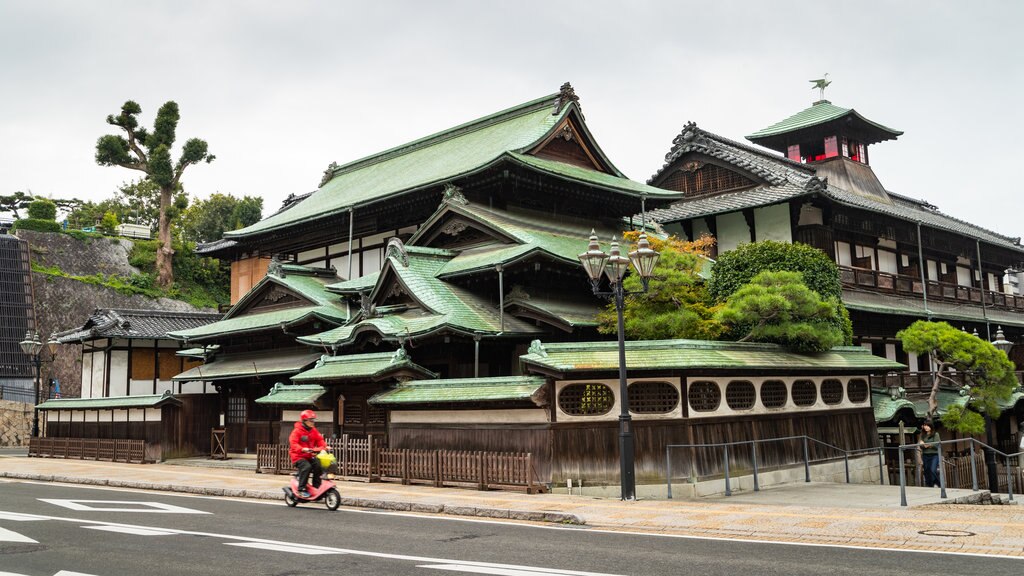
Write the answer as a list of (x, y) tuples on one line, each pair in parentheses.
[(42, 209), (37, 225), (109, 224), (738, 267)]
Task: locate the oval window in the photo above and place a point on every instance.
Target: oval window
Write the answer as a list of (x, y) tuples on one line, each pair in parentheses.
[(652, 397), (805, 393), (740, 395), (857, 390), (704, 396), (831, 391), (773, 394), (586, 399)]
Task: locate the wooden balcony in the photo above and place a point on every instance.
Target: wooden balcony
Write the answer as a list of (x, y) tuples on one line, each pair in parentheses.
[(901, 285), (920, 381)]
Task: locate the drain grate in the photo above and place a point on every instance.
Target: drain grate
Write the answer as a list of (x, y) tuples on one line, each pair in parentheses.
[(947, 533)]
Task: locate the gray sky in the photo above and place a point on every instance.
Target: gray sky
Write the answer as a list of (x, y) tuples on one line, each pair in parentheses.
[(281, 89)]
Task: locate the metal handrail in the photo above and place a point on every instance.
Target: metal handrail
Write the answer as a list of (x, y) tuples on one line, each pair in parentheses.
[(753, 445), (942, 473)]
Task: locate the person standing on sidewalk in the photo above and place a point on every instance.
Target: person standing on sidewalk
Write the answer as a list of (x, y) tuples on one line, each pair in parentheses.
[(304, 443), (929, 443)]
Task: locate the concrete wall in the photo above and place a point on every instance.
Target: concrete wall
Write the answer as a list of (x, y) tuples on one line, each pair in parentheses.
[(15, 423)]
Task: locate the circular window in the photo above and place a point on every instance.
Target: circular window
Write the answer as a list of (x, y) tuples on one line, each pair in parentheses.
[(704, 396), (831, 391), (652, 397), (805, 393), (740, 395), (587, 399), (857, 390), (773, 394)]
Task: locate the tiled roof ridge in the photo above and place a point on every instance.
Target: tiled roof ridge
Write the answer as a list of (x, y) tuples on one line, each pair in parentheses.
[(925, 205), (551, 100), (693, 138), (680, 343), (154, 312), (457, 382), (832, 113)]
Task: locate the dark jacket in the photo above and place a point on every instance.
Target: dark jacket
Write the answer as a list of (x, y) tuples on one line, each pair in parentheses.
[(302, 437)]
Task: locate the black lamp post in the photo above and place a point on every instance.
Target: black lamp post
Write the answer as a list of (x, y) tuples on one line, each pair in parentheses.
[(33, 347), (614, 265), (1001, 343)]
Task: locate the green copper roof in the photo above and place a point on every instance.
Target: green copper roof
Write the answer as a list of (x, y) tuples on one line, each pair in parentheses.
[(461, 390), (914, 307), (361, 366), (698, 355), (886, 407), (259, 322), (148, 401), (570, 313), (819, 113), (251, 365), (355, 285), (299, 395), (597, 179)]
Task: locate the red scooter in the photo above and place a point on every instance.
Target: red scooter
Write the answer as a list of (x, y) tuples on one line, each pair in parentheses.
[(326, 492)]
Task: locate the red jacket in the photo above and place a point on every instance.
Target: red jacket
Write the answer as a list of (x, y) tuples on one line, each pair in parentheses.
[(302, 437)]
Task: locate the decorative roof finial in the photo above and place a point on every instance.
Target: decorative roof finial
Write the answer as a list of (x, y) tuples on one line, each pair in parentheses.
[(566, 94), (453, 195), (397, 249), (328, 173), (821, 84), (816, 185), (275, 268)]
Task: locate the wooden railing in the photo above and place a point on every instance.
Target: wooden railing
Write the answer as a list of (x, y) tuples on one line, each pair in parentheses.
[(922, 381), (133, 451), (369, 460), (878, 281)]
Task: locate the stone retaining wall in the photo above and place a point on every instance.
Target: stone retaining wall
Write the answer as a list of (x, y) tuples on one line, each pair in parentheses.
[(15, 423)]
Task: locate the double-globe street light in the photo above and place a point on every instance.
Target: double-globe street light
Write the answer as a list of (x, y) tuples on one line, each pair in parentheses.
[(1001, 343), (33, 347), (614, 265)]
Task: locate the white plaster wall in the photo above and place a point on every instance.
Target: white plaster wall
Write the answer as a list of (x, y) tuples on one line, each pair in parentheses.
[(887, 261), (136, 414), (153, 414), (118, 372), (517, 416), (963, 276), (87, 375), (78, 415), (613, 414), (311, 254), (119, 416), (164, 386), (890, 352), (99, 365), (789, 407), (772, 223), (195, 387), (809, 216), (732, 231), (700, 228), (141, 387), (843, 254)]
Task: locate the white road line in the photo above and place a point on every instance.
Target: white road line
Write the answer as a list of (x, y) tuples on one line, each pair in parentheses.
[(12, 536), (18, 517), (495, 571), (136, 506), (134, 531), (280, 548), (67, 573)]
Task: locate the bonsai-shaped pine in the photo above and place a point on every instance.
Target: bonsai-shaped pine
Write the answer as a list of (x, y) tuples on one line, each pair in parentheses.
[(150, 153), (988, 370), (778, 307), (676, 303)]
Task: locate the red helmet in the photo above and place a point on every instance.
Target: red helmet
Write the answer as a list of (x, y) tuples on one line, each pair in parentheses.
[(307, 415)]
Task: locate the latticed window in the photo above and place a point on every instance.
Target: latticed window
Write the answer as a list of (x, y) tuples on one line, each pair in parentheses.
[(704, 396), (857, 390), (740, 395), (353, 412), (696, 179), (773, 394), (805, 393), (831, 391), (652, 397), (376, 415), (236, 410), (587, 399)]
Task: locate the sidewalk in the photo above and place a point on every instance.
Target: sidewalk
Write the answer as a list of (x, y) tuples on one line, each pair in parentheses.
[(871, 518)]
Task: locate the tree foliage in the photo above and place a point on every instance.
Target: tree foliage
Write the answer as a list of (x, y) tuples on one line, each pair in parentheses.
[(207, 220), (676, 304), (736, 268), (42, 209), (989, 370), (150, 153), (778, 307)]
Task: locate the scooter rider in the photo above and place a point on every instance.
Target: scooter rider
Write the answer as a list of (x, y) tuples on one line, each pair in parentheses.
[(304, 443)]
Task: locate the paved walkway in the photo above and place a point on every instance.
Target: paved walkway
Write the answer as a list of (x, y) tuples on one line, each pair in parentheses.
[(838, 514)]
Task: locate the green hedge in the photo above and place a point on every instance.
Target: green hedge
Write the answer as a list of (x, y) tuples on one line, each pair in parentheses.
[(36, 224)]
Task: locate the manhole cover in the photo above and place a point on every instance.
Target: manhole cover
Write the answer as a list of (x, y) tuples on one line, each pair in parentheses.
[(949, 533)]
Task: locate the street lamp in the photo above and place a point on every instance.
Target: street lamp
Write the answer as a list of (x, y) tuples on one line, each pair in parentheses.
[(33, 347), (614, 265), (1001, 343)]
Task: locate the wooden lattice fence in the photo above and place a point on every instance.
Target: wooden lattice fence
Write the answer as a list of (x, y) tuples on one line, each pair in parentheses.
[(133, 451)]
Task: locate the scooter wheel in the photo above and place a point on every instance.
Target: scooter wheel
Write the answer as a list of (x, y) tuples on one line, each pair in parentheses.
[(332, 499), (290, 500)]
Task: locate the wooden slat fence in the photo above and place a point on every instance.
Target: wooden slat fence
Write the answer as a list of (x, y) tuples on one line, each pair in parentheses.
[(369, 460), (132, 451)]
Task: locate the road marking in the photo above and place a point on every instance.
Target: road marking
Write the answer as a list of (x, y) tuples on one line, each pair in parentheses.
[(12, 536), (18, 517), (134, 531), (280, 548), (137, 506), (67, 573), (496, 571)]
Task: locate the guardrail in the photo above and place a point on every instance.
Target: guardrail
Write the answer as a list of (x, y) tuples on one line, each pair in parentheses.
[(806, 440), (972, 442), (368, 460), (132, 451)]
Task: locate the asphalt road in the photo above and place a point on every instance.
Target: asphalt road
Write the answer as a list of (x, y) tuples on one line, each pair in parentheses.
[(46, 529)]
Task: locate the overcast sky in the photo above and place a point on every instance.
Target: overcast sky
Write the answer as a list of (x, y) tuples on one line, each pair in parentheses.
[(281, 89)]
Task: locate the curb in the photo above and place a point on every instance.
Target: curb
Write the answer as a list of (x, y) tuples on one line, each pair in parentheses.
[(391, 505)]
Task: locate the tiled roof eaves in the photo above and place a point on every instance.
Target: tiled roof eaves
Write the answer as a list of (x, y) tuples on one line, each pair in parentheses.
[(819, 113), (729, 202), (601, 180), (723, 144)]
